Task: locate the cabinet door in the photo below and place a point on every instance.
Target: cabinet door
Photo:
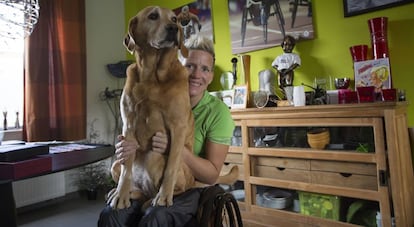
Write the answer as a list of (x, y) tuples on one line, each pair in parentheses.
[(351, 166)]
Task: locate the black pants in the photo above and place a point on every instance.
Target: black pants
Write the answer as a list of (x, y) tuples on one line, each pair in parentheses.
[(183, 210)]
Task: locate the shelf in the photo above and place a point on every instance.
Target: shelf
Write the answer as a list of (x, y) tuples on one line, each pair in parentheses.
[(313, 154), (324, 189)]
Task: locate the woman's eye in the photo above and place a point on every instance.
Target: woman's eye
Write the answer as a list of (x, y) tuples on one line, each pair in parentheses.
[(205, 70)]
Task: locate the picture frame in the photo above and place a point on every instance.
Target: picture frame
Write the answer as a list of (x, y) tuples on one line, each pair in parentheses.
[(225, 96), (240, 97), (357, 7), (252, 29)]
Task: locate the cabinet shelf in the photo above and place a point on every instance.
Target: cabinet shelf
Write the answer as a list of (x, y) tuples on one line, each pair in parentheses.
[(324, 189), (313, 154)]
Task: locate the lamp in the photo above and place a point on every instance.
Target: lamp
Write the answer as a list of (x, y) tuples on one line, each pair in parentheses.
[(18, 17)]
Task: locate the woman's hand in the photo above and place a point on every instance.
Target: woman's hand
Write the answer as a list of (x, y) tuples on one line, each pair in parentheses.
[(159, 143), (125, 148)]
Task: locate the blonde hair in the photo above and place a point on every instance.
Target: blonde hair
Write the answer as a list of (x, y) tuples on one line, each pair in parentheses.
[(198, 42)]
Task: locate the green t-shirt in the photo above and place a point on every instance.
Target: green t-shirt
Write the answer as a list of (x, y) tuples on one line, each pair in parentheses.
[(213, 122)]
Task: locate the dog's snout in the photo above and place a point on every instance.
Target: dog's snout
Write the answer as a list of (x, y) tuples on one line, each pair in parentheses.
[(172, 30)]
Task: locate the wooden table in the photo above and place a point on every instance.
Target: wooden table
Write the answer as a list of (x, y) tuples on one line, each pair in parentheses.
[(60, 162)]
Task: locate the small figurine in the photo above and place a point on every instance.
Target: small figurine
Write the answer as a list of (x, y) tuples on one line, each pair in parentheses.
[(5, 120), (286, 63), (17, 123)]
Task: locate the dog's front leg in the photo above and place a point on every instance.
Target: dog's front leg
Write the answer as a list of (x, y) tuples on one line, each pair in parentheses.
[(165, 195), (120, 197)]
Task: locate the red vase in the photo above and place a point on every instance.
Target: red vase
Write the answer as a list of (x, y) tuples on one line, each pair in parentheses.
[(378, 28)]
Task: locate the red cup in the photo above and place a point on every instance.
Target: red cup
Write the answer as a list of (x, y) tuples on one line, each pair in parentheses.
[(389, 94), (366, 94), (359, 52)]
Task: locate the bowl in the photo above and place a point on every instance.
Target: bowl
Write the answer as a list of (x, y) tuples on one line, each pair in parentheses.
[(238, 194), (342, 83), (318, 138), (277, 199)]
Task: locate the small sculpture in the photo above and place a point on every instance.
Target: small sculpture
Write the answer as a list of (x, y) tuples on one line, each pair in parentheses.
[(286, 63), (17, 123), (5, 120)]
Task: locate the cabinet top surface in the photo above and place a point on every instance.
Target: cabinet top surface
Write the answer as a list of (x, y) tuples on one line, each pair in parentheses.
[(376, 109)]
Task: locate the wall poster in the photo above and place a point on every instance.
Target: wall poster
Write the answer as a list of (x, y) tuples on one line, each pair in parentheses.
[(260, 24)]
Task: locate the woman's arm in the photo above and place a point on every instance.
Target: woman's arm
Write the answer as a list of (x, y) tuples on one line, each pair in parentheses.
[(207, 170)]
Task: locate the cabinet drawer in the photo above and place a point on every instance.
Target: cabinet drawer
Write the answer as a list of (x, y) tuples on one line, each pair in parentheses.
[(344, 174), (288, 163), (234, 158), (344, 180), (281, 173), (344, 167)]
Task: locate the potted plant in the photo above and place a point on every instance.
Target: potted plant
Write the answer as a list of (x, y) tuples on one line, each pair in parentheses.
[(94, 178)]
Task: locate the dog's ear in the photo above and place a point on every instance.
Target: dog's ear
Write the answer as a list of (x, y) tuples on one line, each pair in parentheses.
[(129, 41), (183, 49)]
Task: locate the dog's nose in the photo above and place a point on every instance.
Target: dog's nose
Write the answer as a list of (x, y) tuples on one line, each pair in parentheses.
[(172, 30)]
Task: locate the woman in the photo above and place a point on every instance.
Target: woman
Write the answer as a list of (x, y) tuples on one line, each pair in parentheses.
[(212, 135)]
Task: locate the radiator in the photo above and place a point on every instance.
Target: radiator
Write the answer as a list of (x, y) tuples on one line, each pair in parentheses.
[(38, 189)]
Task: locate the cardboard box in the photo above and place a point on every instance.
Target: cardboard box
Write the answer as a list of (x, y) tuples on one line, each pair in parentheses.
[(373, 73), (25, 168)]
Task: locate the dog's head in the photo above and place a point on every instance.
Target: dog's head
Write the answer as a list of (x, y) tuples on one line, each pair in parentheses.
[(154, 27)]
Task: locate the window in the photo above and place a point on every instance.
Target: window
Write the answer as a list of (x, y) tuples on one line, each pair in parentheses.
[(11, 74)]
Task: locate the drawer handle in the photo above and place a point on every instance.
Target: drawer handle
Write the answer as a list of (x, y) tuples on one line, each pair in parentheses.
[(346, 174), (280, 168)]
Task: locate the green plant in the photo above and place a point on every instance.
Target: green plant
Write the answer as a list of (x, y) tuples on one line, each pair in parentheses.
[(94, 177), (363, 147)]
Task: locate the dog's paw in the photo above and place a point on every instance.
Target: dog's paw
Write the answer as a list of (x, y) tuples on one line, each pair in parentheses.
[(162, 200), (118, 200)]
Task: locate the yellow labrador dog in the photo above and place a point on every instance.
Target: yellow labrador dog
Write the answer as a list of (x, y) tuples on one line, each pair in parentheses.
[(155, 99)]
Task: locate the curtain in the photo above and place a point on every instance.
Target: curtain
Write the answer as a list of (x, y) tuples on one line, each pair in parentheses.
[(55, 73)]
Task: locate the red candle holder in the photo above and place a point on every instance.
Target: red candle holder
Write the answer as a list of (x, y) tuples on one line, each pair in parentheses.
[(366, 94), (359, 52), (378, 28)]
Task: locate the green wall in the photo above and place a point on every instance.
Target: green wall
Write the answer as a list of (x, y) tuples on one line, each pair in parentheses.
[(326, 55)]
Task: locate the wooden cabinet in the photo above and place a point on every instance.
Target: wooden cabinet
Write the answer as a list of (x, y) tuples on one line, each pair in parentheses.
[(382, 173)]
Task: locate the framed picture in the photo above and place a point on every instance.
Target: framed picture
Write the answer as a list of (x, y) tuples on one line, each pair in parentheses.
[(356, 7), (226, 96), (259, 24), (240, 97)]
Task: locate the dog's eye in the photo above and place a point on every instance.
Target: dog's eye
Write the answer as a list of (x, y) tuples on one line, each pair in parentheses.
[(174, 19), (153, 16)]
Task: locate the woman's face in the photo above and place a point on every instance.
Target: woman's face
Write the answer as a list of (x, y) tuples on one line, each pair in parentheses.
[(200, 65)]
